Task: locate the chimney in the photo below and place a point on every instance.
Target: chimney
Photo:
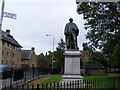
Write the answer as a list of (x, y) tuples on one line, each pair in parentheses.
[(33, 49), (8, 31)]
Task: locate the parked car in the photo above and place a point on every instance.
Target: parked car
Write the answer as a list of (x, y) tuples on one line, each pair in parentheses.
[(6, 71)]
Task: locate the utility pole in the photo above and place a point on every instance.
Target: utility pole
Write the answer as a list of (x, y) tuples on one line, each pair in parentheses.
[(1, 18), (2, 11), (5, 14)]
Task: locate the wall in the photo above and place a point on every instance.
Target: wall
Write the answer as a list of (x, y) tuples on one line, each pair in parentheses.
[(11, 56), (96, 72), (32, 62)]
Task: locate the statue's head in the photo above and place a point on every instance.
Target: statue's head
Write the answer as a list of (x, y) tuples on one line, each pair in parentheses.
[(71, 20)]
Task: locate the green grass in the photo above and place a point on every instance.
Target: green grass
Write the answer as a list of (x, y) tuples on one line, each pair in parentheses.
[(92, 81), (98, 77), (54, 78), (103, 81)]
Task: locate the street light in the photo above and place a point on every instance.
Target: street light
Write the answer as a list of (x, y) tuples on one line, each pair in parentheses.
[(53, 49)]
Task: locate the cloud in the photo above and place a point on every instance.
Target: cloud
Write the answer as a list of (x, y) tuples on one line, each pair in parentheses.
[(35, 20)]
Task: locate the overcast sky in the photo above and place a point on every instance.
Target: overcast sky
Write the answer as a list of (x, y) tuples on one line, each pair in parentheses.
[(35, 19)]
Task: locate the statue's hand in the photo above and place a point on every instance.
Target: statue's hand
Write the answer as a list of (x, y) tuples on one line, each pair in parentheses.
[(74, 30)]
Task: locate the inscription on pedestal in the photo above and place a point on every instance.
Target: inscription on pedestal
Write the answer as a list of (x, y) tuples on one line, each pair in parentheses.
[(72, 62)]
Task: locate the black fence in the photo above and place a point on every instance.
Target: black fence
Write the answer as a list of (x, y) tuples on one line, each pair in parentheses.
[(21, 75), (33, 72), (111, 83)]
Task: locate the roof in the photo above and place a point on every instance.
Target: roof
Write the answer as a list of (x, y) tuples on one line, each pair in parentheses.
[(26, 54), (92, 66), (9, 38)]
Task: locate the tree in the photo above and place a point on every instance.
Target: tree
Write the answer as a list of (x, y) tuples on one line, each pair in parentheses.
[(102, 20), (87, 48), (61, 45), (95, 57), (59, 57), (49, 57), (42, 61)]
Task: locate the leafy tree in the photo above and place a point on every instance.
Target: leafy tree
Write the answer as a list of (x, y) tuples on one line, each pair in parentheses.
[(49, 57), (42, 61), (97, 57), (61, 45), (85, 46), (102, 20), (59, 57)]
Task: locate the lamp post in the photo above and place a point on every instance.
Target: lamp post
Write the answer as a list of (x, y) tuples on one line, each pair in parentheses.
[(53, 49)]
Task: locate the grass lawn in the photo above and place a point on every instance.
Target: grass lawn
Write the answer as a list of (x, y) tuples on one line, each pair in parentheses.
[(99, 77), (92, 81), (103, 81), (54, 78)]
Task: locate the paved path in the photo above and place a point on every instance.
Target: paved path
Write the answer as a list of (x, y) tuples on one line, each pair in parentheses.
[(8, 82), (36, 81)]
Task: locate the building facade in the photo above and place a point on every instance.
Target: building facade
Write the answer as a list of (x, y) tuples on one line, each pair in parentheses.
[(11, 53), (10, 50), (28, 58)]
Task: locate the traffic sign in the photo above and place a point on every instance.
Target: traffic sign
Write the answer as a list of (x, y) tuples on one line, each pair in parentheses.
[(9, 15)]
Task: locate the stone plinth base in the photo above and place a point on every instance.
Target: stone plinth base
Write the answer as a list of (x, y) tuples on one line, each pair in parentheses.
[(72, 77), (72, 62), (72, 81)]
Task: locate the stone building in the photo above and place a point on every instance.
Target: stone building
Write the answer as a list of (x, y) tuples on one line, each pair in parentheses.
[(28, 58), (11, 53), (94, 69), (10, 50)]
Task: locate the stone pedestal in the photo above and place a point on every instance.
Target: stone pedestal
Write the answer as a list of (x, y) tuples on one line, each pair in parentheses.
[(72, 67), (72, 62)]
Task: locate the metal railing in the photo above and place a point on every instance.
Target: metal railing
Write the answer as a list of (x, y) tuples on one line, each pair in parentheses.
[(20, 76), (110, 83)]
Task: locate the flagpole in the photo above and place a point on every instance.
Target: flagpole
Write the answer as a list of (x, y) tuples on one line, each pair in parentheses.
[(2, 11)]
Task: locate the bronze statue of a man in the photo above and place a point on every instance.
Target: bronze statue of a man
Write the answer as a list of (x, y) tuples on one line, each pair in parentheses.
[(71, 32)]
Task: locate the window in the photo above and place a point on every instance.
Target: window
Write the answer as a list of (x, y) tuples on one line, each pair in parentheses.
[(3, 43), (13, 54), (13, 46), (13, 62), (6, 62), (7, 44), (2, 52), (7, 53), (1, 61)]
